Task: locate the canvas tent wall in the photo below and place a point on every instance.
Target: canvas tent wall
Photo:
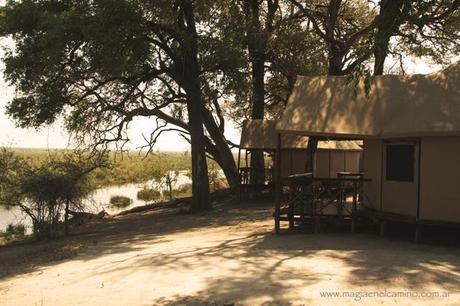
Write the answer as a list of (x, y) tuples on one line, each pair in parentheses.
[(415, 119), (432, 195), (331, 157)]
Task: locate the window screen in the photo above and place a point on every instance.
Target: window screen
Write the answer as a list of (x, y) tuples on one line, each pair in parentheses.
[(400, 162)]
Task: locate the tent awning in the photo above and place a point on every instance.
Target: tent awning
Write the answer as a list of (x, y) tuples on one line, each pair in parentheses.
[(262, 135)]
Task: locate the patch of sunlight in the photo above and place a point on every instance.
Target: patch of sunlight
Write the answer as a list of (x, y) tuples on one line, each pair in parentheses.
[(440, 266)]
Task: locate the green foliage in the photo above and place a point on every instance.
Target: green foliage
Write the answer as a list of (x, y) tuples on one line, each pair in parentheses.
[(79, 59), (288, 59), (44, 189), (430, 29), (120, 201)]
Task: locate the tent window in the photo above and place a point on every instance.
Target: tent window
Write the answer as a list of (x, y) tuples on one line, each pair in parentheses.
[(400, 162)]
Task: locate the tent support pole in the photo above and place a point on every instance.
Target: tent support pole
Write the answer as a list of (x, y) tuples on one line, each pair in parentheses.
[(355, 204), (239, 174), (278, 183), (418, 232)]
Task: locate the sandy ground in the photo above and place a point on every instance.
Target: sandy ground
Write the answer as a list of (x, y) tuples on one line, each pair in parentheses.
[(226, 256)]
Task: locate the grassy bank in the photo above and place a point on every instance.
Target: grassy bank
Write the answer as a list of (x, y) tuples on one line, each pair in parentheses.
[(132, 167)]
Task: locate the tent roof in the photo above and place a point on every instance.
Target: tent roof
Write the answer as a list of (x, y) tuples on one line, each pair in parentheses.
[(392, 106), (261, 135)]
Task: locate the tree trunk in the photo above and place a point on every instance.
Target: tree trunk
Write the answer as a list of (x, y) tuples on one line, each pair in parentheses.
[(200, 182), (190, 78), (335, 54), (169, 183), (256, 38), (223, 155), (390, 18), (335, 61), (380, 54), (258, 108), (66, 219)]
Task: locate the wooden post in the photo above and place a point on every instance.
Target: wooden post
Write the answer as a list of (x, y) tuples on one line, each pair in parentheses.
[(302, 204), (353, 211), (383, 226), (239, 175), (278, 184), (291, 208), (317, 223), (66, 219), (316, 216), (239, 159), (340, 194), (418, 232)]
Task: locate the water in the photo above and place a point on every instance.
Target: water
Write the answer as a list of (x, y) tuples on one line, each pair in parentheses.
[(99, 200), (12, 216)]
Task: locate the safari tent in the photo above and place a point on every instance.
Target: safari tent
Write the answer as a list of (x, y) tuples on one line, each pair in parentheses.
[(331, 157), (410, 128)]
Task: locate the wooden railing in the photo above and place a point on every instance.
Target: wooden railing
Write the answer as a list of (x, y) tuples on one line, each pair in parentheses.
[(305, 196), (248, 189), (266, 174)]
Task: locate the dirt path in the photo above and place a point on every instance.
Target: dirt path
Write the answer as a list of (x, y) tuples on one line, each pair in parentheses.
[(228, 256)]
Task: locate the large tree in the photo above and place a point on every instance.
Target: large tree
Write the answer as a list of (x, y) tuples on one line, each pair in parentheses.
[(100, 64), (345, 28), (362, 32), (418, 28), (277, 48)]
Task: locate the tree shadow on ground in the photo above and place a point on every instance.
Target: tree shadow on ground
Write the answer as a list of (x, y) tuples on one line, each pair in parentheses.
[(369, 259), (121, 235), (252, 263)]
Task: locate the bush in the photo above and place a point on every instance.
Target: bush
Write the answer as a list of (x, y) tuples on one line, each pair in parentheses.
[(183, 191), (216, 179), (17, 230), (148, 194), (12, 233), (120, 201)]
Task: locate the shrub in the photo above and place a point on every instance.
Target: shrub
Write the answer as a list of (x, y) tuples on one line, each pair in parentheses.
[(183, 191), (148, 194), (17, 230), (120, 201), (216, 179), (12, 233)]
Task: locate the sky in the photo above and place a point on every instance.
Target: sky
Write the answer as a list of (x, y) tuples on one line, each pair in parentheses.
[(54, 136)]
